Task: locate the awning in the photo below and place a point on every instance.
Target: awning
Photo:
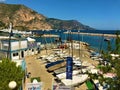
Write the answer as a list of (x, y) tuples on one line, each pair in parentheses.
[(30, 39)]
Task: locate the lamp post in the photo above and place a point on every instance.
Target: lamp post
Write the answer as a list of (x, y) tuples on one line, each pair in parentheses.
[(9, 43), (12, 85)]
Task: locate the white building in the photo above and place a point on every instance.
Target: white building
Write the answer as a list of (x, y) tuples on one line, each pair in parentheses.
[(13, 49), (17, 49)]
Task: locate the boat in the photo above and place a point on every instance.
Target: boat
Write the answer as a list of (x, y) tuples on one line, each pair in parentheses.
[(63, 75), (76, 80), (62, 70), (55, 65), (106, 39)]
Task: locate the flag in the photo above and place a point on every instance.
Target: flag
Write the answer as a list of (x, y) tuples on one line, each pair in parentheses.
[(69, 68)]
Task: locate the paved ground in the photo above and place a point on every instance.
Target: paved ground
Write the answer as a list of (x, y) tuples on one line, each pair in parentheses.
[(37, 69)]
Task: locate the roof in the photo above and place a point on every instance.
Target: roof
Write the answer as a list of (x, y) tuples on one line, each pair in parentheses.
[(30, 39), (6, 38)]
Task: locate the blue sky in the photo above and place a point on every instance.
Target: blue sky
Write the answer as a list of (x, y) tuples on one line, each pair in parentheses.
[(100, 14)]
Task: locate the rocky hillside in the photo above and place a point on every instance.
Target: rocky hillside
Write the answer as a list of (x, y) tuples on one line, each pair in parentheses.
[(24, 18)]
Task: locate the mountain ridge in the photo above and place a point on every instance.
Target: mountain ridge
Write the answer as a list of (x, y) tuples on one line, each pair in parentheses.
[(24, 18)]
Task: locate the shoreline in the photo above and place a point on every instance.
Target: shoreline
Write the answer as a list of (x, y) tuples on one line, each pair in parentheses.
[(94, 34), (50, 35)]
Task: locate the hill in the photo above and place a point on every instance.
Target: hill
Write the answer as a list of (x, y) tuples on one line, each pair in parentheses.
[(24, 18)]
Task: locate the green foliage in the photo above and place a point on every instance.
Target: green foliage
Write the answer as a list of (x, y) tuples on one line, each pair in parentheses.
[(117, 67), (34, 12), (2, 24), (9, 72), (66, 24), (37, 78), (109, 49), (93, 76), (90, 85), (9, 9), (21, 28), (113, 66), (106, 69), (117, 44)]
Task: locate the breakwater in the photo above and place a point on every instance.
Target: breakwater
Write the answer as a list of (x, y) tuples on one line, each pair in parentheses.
[(93, 34)]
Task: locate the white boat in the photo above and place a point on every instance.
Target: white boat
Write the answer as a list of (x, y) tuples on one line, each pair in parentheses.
[(75, 80), (106, 39), (63, 75)]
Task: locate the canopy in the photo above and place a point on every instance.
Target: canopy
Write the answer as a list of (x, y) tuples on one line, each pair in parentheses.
[(30, 39)]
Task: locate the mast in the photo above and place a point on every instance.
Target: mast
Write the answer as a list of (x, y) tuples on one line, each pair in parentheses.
[(45, 41), (80, 48), (79, 42), (68, 39), (51, 39)]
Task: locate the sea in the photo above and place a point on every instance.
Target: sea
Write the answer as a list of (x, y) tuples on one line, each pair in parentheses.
[(96, 43)]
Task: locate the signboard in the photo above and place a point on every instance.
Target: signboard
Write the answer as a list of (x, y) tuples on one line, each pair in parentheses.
[(34, 86), (65, 88), (69, 68), (58, 87)]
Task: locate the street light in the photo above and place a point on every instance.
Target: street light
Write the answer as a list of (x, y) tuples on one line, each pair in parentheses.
[(12, 84), (9, 43)]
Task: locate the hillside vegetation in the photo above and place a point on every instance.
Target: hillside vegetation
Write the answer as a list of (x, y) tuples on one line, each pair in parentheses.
[(24, 18)]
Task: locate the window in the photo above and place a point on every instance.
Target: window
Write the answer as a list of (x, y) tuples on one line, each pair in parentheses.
[(15, 54)]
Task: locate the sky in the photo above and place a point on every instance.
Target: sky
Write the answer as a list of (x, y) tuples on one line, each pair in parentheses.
[(99, 14)]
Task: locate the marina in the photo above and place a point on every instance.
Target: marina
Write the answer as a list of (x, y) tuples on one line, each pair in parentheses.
[(55, 74), (52, 59), (59, 45), (48, 60)]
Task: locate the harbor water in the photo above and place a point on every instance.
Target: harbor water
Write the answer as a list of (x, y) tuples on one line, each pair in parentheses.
[(96, 42)]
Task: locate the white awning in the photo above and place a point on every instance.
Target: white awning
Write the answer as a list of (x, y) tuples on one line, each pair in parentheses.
[(30, 39), (5, 44)]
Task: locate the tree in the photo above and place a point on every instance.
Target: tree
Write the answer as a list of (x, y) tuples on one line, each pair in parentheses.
[(117, 44), (113, 66), (10, 72), (2, 25)]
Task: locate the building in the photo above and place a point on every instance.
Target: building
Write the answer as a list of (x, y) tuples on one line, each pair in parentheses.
[(18, 48), (13, 49), (33, 47)]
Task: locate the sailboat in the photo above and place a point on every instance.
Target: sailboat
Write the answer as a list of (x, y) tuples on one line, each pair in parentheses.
[(106, 39)]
